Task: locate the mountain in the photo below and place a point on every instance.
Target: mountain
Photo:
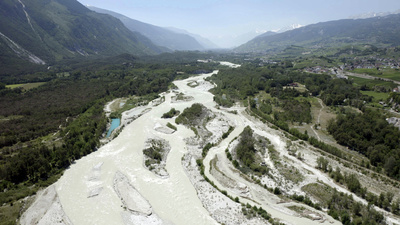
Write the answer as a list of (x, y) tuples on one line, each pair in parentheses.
[(267, 34), (158, 35), (207, 44), (46, 31), (380, 31), (233, 41), (373, 14), (287, 28)]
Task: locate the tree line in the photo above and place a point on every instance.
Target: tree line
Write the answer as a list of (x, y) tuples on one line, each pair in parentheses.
[(370, 134)]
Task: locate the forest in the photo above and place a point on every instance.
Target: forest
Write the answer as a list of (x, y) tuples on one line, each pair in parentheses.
[(370, 134)]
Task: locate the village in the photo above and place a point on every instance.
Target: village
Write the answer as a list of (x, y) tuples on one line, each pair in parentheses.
[(370, 62)]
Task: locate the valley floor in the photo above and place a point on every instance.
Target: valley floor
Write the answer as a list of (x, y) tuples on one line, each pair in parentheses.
[(113, 185)]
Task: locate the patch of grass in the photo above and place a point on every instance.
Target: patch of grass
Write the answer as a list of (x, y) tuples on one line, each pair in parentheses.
[(12, 86), (319, 191), (312, 61), (302, 211), (358, 81), (264, 96), (290, 173), (171, 126), (117, 104), (131, 103), (11, 117), (298, 209), (300, 87), (393, 74), (9, 213), (19, 192), (378, 96), (26, 86), (372, 72)]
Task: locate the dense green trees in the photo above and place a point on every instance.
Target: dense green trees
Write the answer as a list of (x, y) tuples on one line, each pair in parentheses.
[(342, 92), (394, 98), (81, 137), (154, 152), (294, 111), (344, 208), (245, 149), (190, 116), (245, 153), (384, 200), (171, 113), (370, 134)]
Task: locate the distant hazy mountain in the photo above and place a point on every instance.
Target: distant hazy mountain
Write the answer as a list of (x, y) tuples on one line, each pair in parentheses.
[(378, 31), (232, 41), (267, 34), (235, 41), (158, 35), (287, 28), (207, 44), (373, 14), (46, 31)]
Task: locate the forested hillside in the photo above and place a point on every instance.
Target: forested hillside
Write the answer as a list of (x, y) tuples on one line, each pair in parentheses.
[(45, 32)]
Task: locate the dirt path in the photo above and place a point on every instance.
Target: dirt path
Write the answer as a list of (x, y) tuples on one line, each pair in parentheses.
[(318, 120), (320, 111)]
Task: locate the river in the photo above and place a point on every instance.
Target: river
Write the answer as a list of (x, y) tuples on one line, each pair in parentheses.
[(114, 124), (86, 189), (173, 199)]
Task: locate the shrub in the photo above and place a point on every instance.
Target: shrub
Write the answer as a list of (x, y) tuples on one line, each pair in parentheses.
[(173, 112), (171, 126)]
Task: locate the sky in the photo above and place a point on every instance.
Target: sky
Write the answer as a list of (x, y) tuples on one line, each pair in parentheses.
[(219, 19)]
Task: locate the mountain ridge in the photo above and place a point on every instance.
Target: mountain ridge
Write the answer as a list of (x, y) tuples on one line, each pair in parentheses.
[(158, 35), (381, 31), (206, 43)]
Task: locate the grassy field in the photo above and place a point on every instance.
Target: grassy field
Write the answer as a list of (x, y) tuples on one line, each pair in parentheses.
[(12, 86), (264, 96), (312, 62), (12, 117), (320, 191), (357, 81), (378, 96), (26, 86), (393, 74), (9, 212)]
